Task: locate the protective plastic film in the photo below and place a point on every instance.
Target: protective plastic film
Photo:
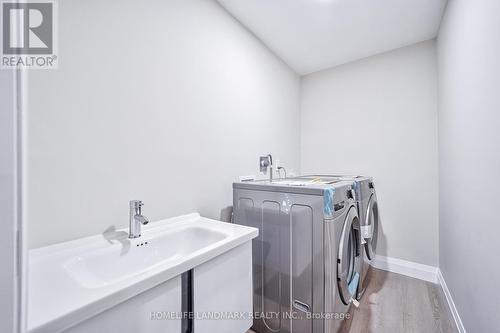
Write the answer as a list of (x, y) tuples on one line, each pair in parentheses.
[(328, 206)]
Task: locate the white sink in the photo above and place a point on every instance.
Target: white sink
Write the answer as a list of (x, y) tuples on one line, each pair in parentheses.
[(110, 265), (72, 281)]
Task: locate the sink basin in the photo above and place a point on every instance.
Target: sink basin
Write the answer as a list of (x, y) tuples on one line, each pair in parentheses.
[(72, 281), (112, 264)]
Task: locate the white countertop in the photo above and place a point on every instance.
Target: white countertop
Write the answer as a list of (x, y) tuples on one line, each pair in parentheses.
[(57, 301)]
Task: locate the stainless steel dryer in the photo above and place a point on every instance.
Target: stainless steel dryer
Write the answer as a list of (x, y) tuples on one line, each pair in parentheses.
[(307, 257), (366, 199)]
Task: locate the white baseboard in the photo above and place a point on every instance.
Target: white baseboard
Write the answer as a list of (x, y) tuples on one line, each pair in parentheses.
[(408, 268), (451, 304)]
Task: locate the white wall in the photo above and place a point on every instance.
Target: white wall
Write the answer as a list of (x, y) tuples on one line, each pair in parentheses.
[(163, 101), (8, 202), (469, 159), (378, 117)]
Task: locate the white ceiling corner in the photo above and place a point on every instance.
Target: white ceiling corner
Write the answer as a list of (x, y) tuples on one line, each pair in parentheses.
[(312, 35)]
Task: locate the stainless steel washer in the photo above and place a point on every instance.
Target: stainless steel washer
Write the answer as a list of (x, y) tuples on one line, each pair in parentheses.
[(368, 212), (307, 257)]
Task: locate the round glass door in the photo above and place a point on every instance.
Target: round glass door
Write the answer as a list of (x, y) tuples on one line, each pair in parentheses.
[(372, 220), (348, 255)]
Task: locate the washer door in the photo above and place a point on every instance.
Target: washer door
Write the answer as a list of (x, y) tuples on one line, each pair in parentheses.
[(372, 221), (348, 254)]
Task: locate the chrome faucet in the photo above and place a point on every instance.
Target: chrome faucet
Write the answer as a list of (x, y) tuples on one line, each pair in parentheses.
[(136, 219)]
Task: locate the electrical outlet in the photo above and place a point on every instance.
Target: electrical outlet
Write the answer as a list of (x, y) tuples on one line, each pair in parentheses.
[(264, 162)]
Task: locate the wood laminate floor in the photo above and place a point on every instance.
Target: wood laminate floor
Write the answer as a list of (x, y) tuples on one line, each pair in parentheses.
[(395, 303)]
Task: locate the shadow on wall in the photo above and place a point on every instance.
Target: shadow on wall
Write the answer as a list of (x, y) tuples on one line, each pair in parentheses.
[(381, 248), (112, 236)]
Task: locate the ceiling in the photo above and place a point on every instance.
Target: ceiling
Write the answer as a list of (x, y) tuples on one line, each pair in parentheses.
[(311, 35)]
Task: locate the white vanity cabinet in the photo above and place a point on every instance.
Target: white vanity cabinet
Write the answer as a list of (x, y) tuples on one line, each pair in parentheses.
[(146, 313), (222, 301), (223, 287), (99, 284)]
